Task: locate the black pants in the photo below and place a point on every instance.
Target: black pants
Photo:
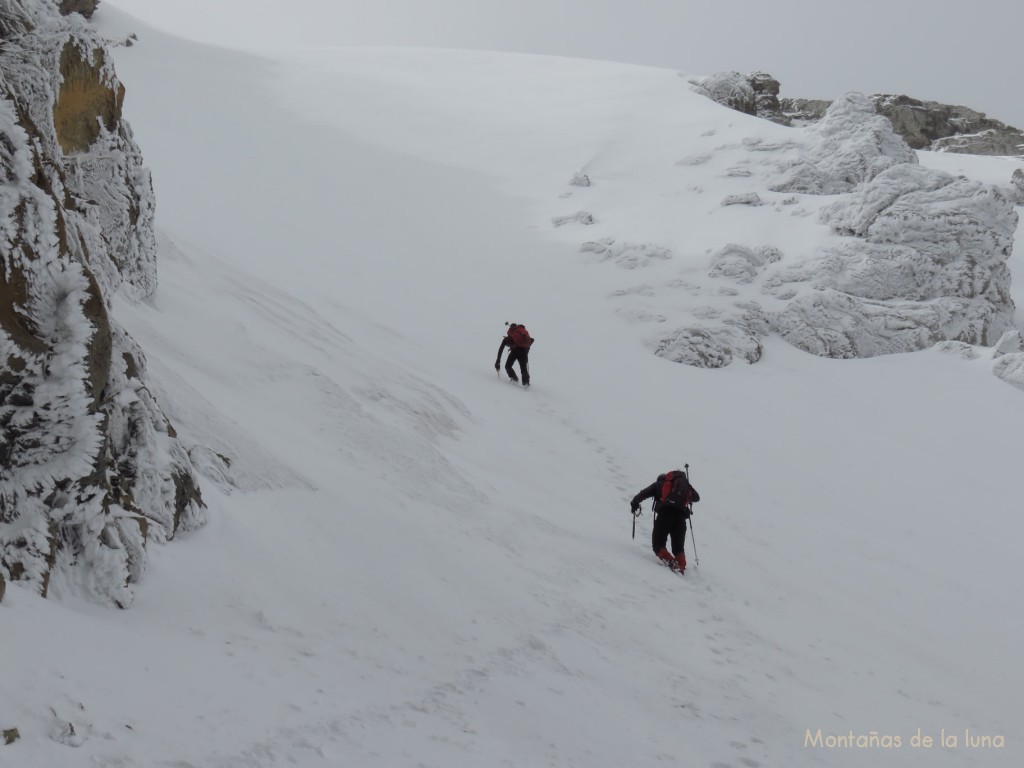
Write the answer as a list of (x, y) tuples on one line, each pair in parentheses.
[(522, 356), (669, 522)]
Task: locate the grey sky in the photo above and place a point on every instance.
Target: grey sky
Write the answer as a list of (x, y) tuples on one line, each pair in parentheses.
[(969, 54)]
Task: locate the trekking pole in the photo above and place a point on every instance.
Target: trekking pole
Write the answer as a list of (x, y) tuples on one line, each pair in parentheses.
[(634, 526), (693, 538), (689, 508)]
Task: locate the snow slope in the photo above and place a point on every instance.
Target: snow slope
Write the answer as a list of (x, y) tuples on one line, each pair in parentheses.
[(412, 562)]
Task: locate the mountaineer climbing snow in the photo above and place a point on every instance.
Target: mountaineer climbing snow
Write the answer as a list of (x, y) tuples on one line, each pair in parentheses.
[(673, 505), (518, 340)]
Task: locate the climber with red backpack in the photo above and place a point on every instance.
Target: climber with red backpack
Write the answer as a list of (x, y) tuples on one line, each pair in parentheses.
[(518, 340), (673, 499)]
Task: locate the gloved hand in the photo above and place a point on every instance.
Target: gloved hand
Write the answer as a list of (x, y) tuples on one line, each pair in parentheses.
[(634, 507), (497, 366)]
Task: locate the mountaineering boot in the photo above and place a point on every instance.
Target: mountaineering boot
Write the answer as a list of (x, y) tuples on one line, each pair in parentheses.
[(665, 556), (681, 561)]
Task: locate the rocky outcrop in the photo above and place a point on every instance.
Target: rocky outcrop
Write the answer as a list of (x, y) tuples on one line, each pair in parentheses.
[(754, 94), (1008, 358), (84, 7), (730, 89), (944, 127), (917, 257), (87, 103), (925, 262), (1010, 343), (929, 125), (922, 124), (718, 338), (626, 255), (90, 469), (766, 97), (1017, 186), (804, 111), (849, 145), (1010, 368)]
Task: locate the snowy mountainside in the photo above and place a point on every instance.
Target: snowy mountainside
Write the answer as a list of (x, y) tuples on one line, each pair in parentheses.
[(836, 289), (412, 562)]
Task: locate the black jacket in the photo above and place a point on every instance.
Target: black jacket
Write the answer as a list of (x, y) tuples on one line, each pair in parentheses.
[(505, 342), (653, 491)]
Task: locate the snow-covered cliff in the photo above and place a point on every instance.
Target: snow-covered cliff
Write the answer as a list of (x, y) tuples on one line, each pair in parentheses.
[(90, 469)]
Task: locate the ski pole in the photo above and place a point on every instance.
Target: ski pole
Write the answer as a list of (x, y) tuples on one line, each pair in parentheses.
[(689, 509), (693, 538)]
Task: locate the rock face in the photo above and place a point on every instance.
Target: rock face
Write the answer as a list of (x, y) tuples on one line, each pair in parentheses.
[(766, 97), (84, 7), (754, 94), (922, 124), (947, 128), (803, 111), (90, 469), (730, 89)]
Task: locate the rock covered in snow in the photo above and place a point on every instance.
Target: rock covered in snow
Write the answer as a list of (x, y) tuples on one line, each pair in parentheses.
[(90, 469), (766, 97), (927, 125), (834, 324), (741, 263), (580, 217), (922, 124), (627, 255), (716, 339), (958, 348), (849, 145), (917, 256), (743, 198), (925, 262), (1009, 343), (1017, 185), (754, 94), (730, 89), (1010, 368)]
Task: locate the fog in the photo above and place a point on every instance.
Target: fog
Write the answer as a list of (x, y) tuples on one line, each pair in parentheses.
[(815, 49)]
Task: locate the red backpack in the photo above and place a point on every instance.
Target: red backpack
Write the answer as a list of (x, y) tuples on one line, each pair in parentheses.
[(675, 491), (519, 336)]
